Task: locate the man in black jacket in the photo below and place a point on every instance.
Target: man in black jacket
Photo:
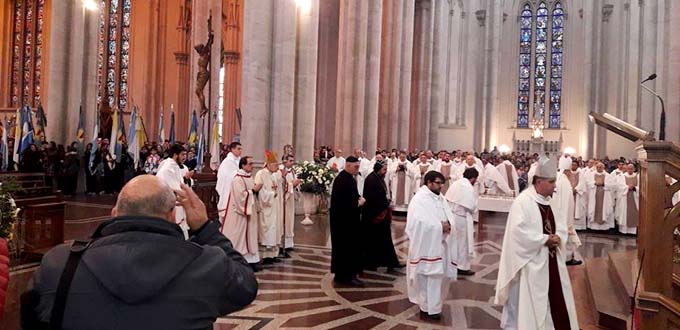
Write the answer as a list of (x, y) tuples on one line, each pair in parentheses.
[(345, 217), (138, 272)]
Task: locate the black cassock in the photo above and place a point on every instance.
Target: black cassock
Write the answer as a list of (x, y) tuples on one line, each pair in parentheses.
[(345, 217), (378, 245)]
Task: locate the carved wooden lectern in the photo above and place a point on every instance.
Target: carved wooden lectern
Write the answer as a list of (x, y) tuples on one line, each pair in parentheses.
[(658, 291)]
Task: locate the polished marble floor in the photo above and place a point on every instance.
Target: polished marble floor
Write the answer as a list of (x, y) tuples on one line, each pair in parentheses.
[(299, 293)]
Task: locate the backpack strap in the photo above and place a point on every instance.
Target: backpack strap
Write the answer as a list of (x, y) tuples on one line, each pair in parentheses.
[(59, 305)]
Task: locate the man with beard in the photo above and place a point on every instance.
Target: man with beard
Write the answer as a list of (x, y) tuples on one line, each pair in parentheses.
[(171, 173), (377, 222), (345, 217)]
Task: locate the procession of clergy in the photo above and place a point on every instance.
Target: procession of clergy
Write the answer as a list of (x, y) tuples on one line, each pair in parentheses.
[(442, 195)]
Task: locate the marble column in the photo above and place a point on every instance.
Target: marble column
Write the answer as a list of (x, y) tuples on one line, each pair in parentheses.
[(404, 87), (479, 65), (327, 69), (283, 75), (673, 97), (440, 63), (358, 74), (491, 96), (649, 109), (373, 58), (422, 79), (462, 73), (390, 73), (232, 36), (306, 80), (257, 71)]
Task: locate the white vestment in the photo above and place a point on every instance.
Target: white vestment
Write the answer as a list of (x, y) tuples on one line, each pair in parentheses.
[(530, 174), (606, 214), (240, 223), (512, 180), (622, 204), (580, 199), (288, 206), (479, 185), (418, 171), (270, 212), (401, 182), (365, 168), (170, 173), (431, 255), (463, 201), (564, 163), (523, 274), (225, 174), (450, 172), (336, 162), (565, 203), (494, 182)]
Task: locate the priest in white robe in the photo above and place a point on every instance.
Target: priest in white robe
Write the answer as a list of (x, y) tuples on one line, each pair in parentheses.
[(602, 187), (463, 201), (494, 183), (225, 174), (509, 174), (270, 211), (337, 162), (564, 201), (365, 168), (533, 283), (401, 180), (170, 172), (290, 186), (627, 208), (419, 168), (471, 162), (432, 253), (578, 178), (448, 169), (240, 223)]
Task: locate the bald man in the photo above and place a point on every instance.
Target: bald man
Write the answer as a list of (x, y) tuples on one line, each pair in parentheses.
[(138, 272)]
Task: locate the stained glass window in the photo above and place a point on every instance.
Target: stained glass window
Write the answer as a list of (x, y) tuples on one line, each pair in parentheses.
[(556, 66), (541, 40), (113, 58), (27, 49), (526, 23)]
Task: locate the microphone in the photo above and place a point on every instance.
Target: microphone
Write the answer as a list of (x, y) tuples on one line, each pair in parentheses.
[(651, 77), (662, 124)]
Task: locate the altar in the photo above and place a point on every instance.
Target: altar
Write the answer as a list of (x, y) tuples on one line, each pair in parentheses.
[(495, 203)]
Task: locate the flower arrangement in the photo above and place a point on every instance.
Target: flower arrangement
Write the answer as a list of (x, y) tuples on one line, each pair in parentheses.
[(8, 210), (314, 178)]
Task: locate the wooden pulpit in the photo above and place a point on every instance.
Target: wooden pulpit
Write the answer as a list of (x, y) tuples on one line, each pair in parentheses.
[(657, 298)]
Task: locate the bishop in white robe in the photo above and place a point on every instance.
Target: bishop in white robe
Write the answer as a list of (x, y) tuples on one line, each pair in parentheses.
[(270, 211), (463, 201), (628, 202), (432, 252), (240, 223), (565, 202), (401, 180), (533, 283), (578, 178), (602, 187), (509, 174)]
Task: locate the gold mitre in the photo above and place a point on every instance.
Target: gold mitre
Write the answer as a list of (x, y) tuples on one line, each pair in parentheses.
[(270, 157)]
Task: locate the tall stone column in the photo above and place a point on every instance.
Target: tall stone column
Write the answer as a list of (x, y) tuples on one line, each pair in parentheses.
[(390, 73), (422, 77), (649, 108), (440, 64), (232, 36), (373, 79), (404, 88), (358, 73), (327, 69), (673, 97), (283, 74), (306, 79), (257, 71)]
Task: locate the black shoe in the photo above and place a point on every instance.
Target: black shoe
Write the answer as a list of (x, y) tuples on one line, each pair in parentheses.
[(289, 249), (434, 317), (285, 255), (574, 262), (276, 260), (465, 272), (267, 261), (256, 267), (357, 283)]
